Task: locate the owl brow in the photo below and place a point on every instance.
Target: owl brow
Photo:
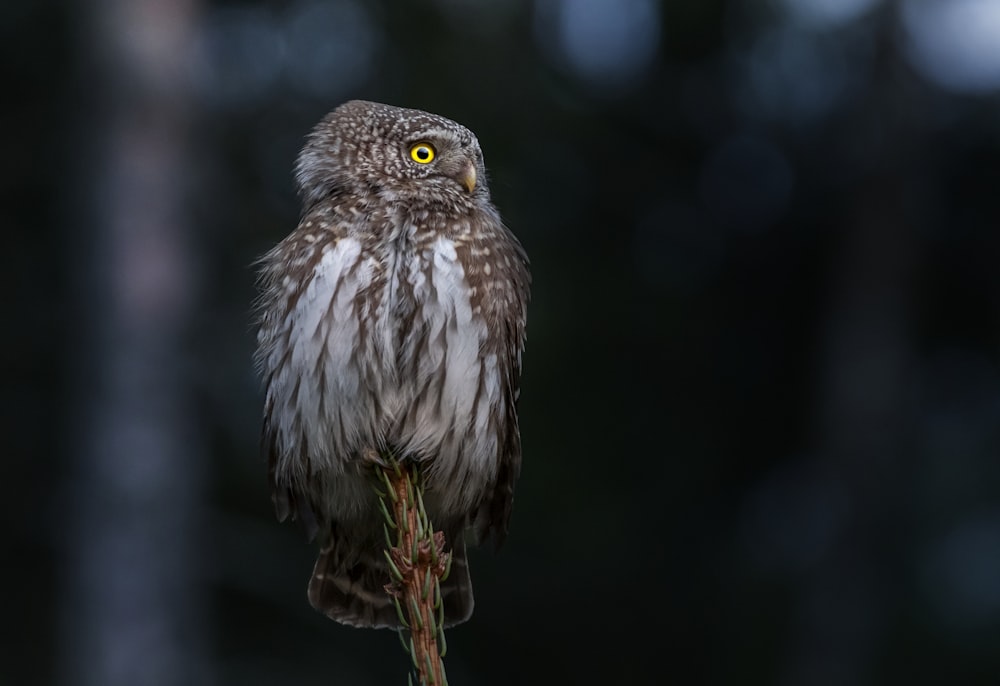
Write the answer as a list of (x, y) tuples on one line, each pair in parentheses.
[(435, 134)]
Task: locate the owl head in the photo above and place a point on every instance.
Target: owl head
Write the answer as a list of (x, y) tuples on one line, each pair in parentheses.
[(391, 153)]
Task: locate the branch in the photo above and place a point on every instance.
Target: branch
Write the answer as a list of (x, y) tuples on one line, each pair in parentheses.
[(418, 565)]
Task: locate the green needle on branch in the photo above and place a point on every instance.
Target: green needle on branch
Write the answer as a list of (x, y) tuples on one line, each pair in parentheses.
[(418, 563)]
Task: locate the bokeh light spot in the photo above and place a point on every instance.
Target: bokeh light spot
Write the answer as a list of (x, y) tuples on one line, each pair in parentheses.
[(961, 573), (746, 184), (607, 44), (955, 44), (800, 76), (242, 52), (792, 517), (331, 47), (827, 13), (676, 248)]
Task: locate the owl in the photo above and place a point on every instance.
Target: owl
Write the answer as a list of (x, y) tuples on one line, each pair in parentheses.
[(392, 319)]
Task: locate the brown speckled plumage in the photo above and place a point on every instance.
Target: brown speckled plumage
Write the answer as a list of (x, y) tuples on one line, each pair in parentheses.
[(393, 318)]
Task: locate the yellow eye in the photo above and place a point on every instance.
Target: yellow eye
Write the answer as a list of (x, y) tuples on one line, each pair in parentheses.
[(422, 153)]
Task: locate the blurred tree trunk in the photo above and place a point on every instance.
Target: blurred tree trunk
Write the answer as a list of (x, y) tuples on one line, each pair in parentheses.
[(133, 611), (849, 600)]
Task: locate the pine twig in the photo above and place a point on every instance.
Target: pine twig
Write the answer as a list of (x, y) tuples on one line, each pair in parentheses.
[(418, 564)]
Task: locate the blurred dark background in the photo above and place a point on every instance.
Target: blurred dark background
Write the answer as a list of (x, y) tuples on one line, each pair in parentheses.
[(761, 395)]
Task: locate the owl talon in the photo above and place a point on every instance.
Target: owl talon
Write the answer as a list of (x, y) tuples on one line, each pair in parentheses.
[(371, 455)]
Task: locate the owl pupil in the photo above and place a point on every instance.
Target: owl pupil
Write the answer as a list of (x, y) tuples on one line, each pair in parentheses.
[(423, 153)]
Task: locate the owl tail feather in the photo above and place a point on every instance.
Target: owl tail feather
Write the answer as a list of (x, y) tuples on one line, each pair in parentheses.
[(354, 593)]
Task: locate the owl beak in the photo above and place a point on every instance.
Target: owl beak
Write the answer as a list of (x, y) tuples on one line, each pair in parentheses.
[(468, 177)]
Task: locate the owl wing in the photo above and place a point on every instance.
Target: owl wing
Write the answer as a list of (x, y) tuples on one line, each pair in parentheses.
[(274, 352), (504, 286), (308, 334), (288, 501)]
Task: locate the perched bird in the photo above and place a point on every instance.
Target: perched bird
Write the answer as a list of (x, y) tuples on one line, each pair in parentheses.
[(391, 319)]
